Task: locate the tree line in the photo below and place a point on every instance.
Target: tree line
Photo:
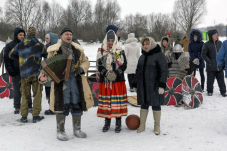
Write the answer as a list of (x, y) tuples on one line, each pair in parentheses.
[(88, 24)]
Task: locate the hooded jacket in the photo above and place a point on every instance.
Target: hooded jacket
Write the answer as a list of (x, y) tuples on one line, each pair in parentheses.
[(132, 53), (185, 42), (195, 48), (209, 52), (12, 66), (178, 41), (221, 56)]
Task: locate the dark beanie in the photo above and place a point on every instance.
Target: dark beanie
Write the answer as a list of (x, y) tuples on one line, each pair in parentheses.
[(110, 35), (65, 30), (112, 27), (165, 38)]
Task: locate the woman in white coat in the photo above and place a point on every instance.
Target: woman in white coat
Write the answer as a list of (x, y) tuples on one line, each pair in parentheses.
[(132, 52)]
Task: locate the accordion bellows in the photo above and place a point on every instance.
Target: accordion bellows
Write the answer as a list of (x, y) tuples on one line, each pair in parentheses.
[(58, 67)]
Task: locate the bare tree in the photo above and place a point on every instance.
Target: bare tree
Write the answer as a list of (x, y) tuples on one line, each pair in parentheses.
[(188, 13), (80, 10), (22, 13), (112, 12)]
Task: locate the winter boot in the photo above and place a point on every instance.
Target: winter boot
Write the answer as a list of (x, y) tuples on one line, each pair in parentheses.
[(223, 94), (17, 110), (143, 118), (202, 87), (77, 127), (157, 118), (49, 112), (210, 94), (61, 135), (131, 90), (24, 119), (37, 118), (118, 125), (107, 125)]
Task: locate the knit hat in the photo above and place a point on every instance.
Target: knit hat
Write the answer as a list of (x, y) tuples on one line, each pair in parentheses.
[(131, 35), (47, 36), (110, 35), (112, 27), (65, 30), (168, 34), (31, 31)]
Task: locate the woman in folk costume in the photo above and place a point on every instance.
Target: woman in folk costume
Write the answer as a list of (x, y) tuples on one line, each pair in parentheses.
[(112, 63)]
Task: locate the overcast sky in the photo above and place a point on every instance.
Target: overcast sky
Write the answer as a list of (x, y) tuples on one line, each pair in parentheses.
[(216, 9)]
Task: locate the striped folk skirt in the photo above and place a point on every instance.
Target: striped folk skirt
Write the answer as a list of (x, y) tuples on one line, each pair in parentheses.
[(112, 100)]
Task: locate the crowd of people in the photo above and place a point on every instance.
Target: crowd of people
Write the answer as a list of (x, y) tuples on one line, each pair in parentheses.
[(147, 74)]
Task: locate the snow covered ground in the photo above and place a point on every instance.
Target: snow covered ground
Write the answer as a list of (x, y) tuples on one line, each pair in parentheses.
[(201, 129)]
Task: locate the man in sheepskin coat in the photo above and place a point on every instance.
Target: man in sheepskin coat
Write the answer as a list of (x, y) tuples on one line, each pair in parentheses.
[(132, 53), (73, 95)]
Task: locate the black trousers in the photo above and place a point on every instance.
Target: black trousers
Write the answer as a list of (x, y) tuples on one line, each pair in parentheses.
[(47, 90), (154, 108), (130, 79), (219, 75), (17, 93), (201, 72)]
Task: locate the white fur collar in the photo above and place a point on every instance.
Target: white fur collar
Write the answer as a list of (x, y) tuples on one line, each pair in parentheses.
[(58, 45)]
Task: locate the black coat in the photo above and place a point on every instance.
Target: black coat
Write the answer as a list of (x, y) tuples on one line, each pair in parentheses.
[(12, 66), (209, 52), (195, 48), (119, 71), (151, 73)]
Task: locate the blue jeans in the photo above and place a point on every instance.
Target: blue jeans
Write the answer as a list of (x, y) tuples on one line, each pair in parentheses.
[(17, 93), (71, 98), (154, 108)]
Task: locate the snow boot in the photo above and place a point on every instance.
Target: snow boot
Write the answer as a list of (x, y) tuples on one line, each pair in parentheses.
[(143, 118), (106, 127), (61, 135), (17, 110), (210, 94), (131, 90), (118, 125), (49, 112), (77, 127), (37, 118), (202, 87), (223, 94), (157, 118), (24, 119)]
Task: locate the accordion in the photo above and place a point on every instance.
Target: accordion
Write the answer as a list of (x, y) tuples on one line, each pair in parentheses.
[(58, 67)]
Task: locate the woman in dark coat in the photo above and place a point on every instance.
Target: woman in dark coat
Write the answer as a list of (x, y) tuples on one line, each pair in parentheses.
[(150, 81), (195, 51)]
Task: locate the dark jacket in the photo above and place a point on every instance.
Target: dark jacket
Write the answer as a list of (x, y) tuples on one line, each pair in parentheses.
[(12, 66), (119, 71), (29, 52), (195, 48), (151, 73), (209, 52)]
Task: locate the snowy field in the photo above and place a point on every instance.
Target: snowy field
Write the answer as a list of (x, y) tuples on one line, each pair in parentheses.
[(201, 129)]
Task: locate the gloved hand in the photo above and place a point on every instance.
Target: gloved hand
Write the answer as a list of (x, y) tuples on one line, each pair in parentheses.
[(161, 90), (196, 61), (111, 75), (75, 68)]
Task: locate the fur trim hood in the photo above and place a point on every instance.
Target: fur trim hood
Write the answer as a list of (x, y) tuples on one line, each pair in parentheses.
[(197, 33), (130, 40), (168, 44)]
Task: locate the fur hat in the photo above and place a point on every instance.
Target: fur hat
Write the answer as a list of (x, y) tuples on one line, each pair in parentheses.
[(65, 30), (131, 35), (31, 31), (110, 35), (112, 27)]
